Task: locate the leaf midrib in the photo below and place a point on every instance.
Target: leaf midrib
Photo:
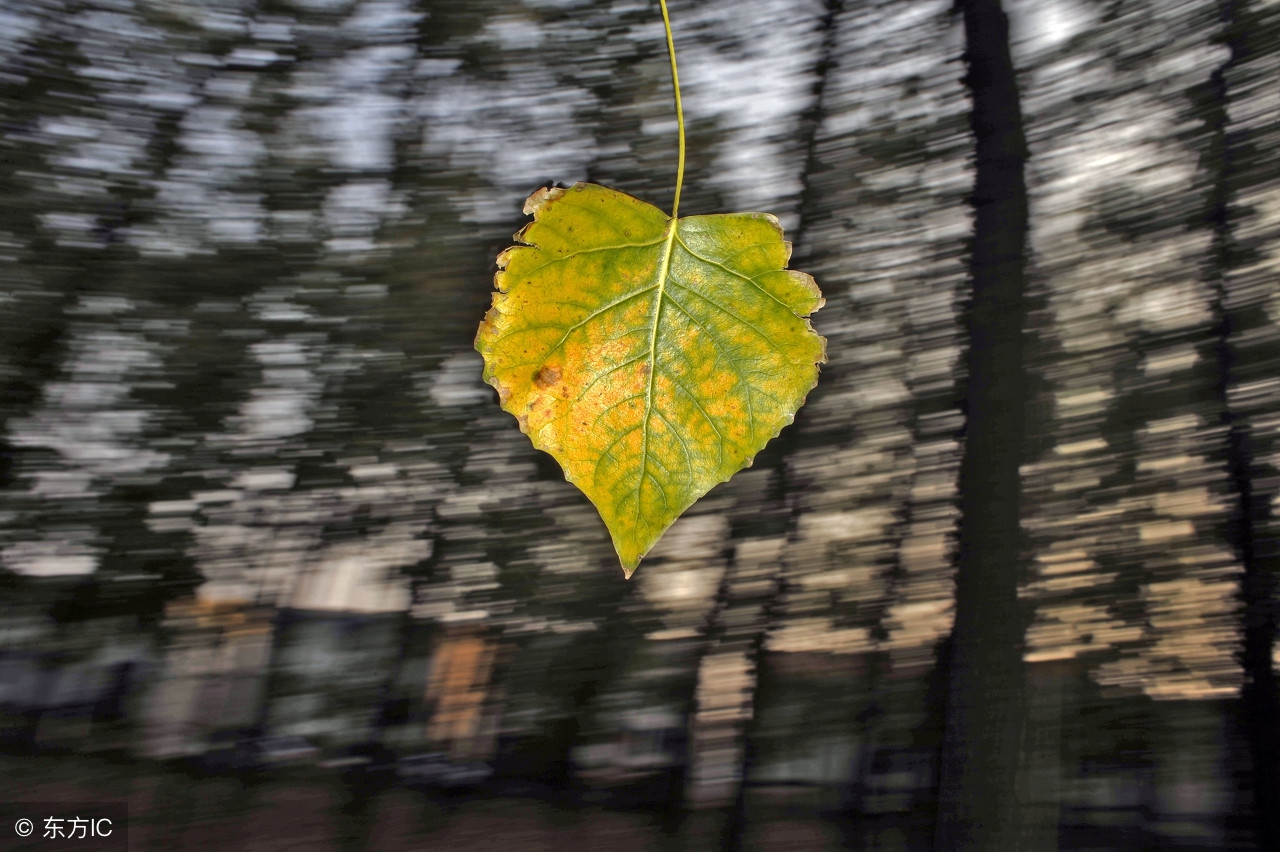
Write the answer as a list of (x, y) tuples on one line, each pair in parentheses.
[(664, 268)]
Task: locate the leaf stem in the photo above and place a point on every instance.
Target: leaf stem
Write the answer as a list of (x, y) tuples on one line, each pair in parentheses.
[(675, 81)]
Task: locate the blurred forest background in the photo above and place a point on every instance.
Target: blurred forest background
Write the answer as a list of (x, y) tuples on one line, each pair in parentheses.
[(278, 570)]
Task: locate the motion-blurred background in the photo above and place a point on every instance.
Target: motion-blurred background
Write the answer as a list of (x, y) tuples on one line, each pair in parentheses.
[(278, 570)]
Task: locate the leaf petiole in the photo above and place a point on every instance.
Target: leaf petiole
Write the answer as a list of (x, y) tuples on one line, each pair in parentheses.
[(675, 82)]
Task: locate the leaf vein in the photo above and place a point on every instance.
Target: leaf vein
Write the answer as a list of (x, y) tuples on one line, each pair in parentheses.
[(664, 269), (710, 422), (735, 274), (715, 341), (579, 252), (724, 310), (607, 450), (609, 372), (615, 303), (688, 459)]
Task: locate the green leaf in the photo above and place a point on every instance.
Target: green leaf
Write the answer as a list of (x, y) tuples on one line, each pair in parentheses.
[(652, 357)]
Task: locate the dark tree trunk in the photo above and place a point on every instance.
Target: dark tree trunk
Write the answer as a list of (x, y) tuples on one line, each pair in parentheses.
[(1247, 528), (977, 792), (812, 118)]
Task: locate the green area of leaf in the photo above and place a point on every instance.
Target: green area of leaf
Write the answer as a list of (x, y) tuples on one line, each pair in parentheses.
[(652, 357)]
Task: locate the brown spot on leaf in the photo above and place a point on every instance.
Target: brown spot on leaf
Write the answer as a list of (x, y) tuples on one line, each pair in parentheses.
[(546, 376)]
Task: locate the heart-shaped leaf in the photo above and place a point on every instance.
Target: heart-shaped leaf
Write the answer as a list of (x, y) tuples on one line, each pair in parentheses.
[(652, 357)]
